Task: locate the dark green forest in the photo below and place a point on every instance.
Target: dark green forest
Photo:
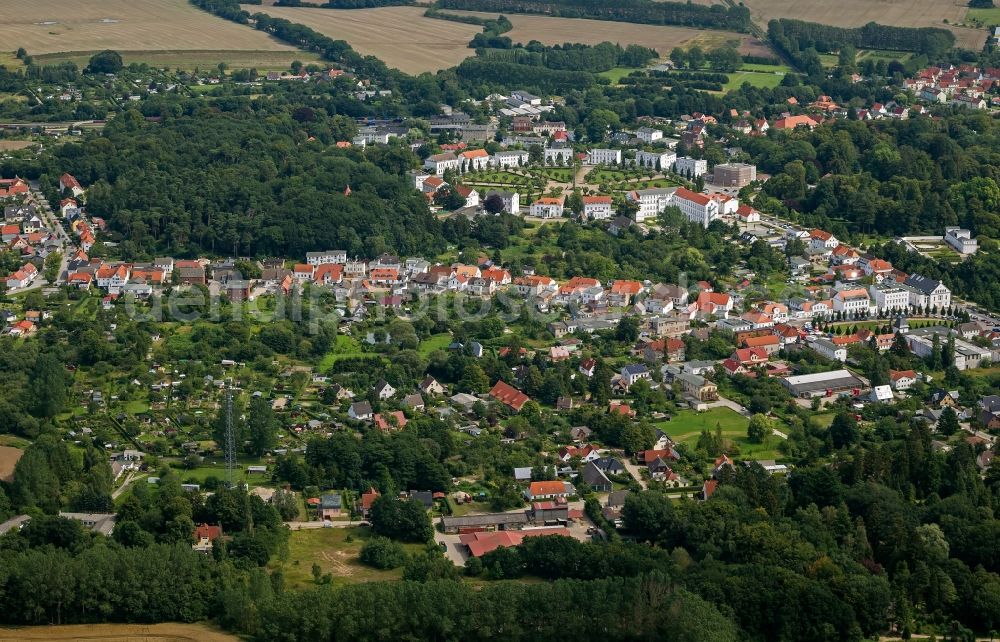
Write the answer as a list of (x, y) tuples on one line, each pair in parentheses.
[(241, 184)]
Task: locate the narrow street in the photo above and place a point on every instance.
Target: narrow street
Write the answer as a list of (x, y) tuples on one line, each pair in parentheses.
[(51, 220)]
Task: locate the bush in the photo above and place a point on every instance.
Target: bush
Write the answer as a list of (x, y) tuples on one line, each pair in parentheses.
[(382, 553)]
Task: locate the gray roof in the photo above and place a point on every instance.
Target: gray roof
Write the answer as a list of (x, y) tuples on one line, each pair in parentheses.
[(923, 284), (491, 519), (330, 500), (594, 475)]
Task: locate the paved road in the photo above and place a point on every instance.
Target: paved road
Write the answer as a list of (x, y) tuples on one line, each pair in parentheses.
[(52, 223), (732, 405), (305, 526)]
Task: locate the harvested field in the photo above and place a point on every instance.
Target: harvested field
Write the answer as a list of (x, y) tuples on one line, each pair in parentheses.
[(8, 459), (190, 59), (11, 145), (400, 36), (556, 31), (899, 13), (50, 26), (169, 632)]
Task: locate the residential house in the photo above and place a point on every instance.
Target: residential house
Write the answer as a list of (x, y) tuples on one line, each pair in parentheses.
[(509, 396), (548, 207), (697, 387), (430, 386), (383, 390), (360, 411), (596, 478), (330, 505), (901, 380), (634, 372)]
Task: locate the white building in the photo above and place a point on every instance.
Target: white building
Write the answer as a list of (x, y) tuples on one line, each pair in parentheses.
[(511, 201), (516, 158), (330, 256), (558, 154), (853, 301), (648, 134), (822, 240), (690, 167), (597, 208), (439, 163), (474, 159), (547, 207), (604, 157), (961, 240), (660, 161), (829, 349), (888, 296), (651, 201), (525, 97), (926, 292), (698, 208)]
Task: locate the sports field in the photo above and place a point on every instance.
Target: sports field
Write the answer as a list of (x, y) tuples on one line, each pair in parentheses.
[(171, 26), (400, 36), (855, 13), (556, 31)]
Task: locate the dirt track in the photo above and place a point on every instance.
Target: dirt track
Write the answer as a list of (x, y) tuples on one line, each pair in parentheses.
[(169, 632)]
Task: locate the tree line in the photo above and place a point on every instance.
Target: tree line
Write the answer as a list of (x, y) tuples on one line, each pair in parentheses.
[(716, 16), (574, 57), (801, 41)]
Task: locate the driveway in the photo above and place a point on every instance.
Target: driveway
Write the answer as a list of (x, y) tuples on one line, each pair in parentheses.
[(453, 548), (635, 471)]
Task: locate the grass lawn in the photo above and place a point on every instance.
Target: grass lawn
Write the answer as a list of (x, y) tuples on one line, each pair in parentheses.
[(756, 79), (435, 342), (136, 407), (984, 16), (336, 551), (344, 347), (685, 427), (616, 74), (14, 441), (829, 60), (460, 510), (753, 66), (560, 175), (901, 56), (507, 178)]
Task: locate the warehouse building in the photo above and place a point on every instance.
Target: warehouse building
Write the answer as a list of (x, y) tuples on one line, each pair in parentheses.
[(824, 384)]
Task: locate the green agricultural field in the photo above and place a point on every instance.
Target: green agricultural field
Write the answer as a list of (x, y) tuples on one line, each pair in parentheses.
[(336, 551), (984, 16), (686, 426), (756, 79)]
